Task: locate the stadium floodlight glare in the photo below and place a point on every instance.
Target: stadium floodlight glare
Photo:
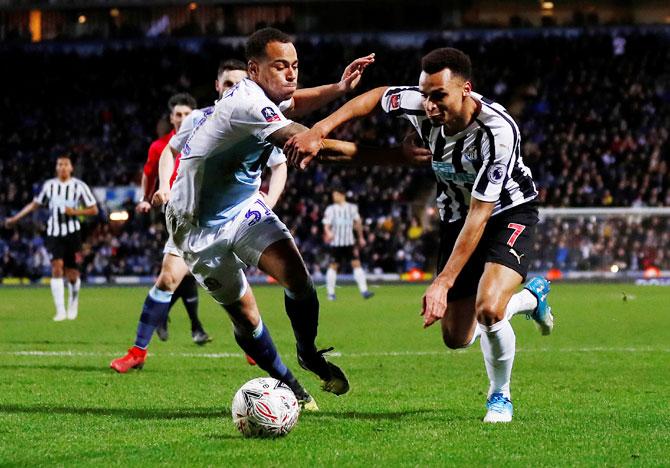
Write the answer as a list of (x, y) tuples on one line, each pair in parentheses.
[(114, 12), (81, 19), (118, 216), (547, 5)]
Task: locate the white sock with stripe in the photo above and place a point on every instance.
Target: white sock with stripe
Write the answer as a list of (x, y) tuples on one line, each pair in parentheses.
[(58, 293), (523, 302), (359, 276), (331, 279), (73, 298), (498, 344)]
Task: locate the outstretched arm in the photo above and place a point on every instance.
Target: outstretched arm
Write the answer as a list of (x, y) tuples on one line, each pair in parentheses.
[(307, 100), (301, 149), (346, 152), (435, 299), (29, 208)]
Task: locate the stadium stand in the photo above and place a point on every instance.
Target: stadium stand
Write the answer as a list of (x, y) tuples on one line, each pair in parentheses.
[(593, 109)]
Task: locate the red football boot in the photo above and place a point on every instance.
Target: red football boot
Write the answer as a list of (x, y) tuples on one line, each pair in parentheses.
[(133, 360), (250, 360)]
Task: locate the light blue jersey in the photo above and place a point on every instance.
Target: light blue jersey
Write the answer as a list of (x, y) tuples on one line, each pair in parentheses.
[(224, 156)]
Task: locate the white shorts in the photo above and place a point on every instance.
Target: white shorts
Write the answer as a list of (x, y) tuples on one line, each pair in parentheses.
[(218, 255), (171, 248)]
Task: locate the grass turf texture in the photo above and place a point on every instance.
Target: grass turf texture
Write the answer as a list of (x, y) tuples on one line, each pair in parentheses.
[(594, 393)]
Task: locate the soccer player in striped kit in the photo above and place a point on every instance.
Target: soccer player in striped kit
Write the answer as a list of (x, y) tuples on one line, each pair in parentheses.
[(487, 204), (339, 222), (67, 198)]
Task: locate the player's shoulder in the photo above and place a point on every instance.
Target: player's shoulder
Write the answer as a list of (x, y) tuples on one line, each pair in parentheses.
[(77, 181), (246, 98), (244, 91), (494, 117), (50, 181), (194, 116), (403, 100)]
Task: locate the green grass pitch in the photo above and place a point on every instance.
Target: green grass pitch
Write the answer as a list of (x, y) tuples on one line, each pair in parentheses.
[(595, 393)]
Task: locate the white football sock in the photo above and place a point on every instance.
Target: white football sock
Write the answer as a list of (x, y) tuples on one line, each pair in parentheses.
[(331, 279), (523, 302), (476, 334), (73, 298), (359, 276), (498, 344), (58, 293)]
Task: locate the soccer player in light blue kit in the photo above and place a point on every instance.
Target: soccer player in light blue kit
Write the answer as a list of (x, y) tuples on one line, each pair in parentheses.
[(220, 222)]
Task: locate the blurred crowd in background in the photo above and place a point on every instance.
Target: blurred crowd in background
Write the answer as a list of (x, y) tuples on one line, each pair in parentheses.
[(593, 109)]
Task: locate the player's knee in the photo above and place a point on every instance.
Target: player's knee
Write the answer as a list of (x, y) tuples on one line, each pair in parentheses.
[(452, 341), (301, 290), (488, 312), (167, 281), (57, 270), (299, 282)]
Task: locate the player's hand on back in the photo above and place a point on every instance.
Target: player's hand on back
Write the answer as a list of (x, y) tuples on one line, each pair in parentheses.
[(352, 74), (160, 198), (413, 153), (143, 207), (434, 303), (301, 148)]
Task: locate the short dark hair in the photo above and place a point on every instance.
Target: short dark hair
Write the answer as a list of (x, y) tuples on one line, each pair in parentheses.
[(339, 188), (65, 156), (447, 57), (260, 39), (182, 99), (231, 64)]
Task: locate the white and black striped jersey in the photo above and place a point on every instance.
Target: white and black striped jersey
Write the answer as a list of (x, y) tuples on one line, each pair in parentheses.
[(60, 195), (482, 161), (341, 218)]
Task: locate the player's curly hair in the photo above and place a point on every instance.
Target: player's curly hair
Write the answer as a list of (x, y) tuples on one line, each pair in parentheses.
[(447, 57), (260, 39), (182, 99)]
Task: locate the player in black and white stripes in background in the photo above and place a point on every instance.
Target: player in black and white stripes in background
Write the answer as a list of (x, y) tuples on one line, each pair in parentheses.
[(340, 220), (64, 195), (486, 200)]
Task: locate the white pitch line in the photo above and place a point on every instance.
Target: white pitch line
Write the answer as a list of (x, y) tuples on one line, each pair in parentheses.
[(70, 353)]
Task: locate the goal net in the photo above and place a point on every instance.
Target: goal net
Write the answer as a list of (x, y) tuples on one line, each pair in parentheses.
[(603, 243)]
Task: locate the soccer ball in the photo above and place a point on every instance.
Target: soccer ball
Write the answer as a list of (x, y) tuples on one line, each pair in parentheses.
[(265, 407)]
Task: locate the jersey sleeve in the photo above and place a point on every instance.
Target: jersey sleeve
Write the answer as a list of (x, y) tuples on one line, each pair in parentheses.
[(286, 105), (85, 195), (498, 150), (178, 140), (43, 198), (328, 216), (259, 117), (277, 157), (405, 102)]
